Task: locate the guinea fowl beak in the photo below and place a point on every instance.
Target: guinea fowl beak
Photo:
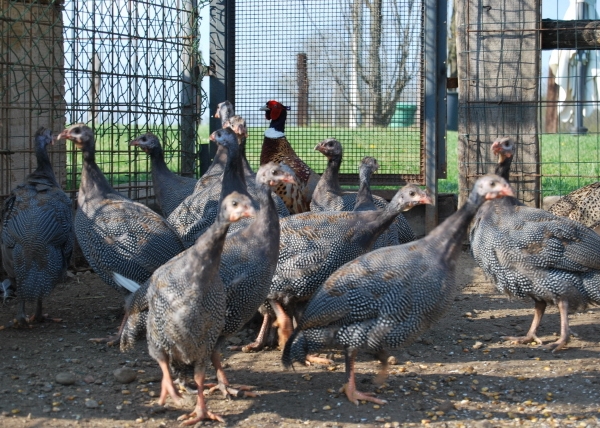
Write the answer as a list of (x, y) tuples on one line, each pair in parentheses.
[(134, 142), (64, 135), (426, 200)]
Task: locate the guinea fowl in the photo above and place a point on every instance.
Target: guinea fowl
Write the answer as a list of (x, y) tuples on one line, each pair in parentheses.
[(386, 298), (198, 211), (36, 238), (116, 234), (328, 196), (276, 148), (313, 245), (582, 205), (247, 265), (186, 308), (531, 253), (364, 197), (170, 189)]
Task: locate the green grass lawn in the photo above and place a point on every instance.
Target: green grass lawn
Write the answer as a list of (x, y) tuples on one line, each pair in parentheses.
[(568, 161)]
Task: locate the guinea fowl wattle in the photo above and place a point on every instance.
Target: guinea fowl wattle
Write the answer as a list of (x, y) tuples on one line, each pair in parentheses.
[(276, 148), (170, 189), (531, 253), (36, 239), (384, 299)]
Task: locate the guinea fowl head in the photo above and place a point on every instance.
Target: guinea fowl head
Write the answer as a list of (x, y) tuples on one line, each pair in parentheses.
[(368, 164), (236, 206), (273, 173), (81, 134), (503, 148), (224, 111), (490, 186), (43, 137), (238, 125), (224, 137), (409, 196), (330, 148), (148, 142)]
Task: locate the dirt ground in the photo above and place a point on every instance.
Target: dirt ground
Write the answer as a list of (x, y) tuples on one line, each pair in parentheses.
[(459, 374)]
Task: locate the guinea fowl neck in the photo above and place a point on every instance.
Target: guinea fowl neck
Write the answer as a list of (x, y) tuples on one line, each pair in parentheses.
[(157, 158), (377, 221), (93, 182), (364, 197), (44, 167), (503, 168), (206, 252), (233, 176), (331, 175), (448, 237)]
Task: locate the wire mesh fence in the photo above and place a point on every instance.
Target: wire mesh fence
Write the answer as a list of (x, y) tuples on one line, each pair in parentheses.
[(347, 70), (122, 67)]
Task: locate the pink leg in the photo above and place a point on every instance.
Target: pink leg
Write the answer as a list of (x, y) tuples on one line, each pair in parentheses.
[(223, 383), (166, 385), (349, 388), (259, 343), (540, 308), (561, 343), (200, 413)]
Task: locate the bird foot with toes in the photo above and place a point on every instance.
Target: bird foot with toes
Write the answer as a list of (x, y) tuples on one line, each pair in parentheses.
[(355, 396), (523, 339), (242, 391)]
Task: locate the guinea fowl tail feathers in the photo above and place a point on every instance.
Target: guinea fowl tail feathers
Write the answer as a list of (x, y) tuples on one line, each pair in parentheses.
[(295, 349), (126, 283)]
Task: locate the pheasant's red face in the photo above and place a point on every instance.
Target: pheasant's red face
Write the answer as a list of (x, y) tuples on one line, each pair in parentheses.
[(273, 109)]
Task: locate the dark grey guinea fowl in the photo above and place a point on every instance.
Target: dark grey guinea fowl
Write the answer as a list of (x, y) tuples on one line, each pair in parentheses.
[(582, 205), (116, 234), (170, 189), (247, 265), (386, 298), (328, 196), (314, 245), (198, 211), (531, 253), (364, 197), (248, 262), (186, 308), (37, 233)]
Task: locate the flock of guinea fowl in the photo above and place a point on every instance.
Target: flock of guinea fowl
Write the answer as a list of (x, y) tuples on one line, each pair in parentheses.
[(287, 243)]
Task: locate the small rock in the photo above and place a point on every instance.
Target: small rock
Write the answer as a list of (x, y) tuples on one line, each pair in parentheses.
[(125, 375), (66, 378), (478, 345), (235, 340), (89, 379), (446, 406), (91, 404), (393, 361), (486, 337)]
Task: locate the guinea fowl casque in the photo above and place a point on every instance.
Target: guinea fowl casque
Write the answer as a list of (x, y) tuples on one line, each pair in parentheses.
[(186, 308), (384, 299), (328, 196), (116, 234), (276, 148), (170, 189), (248, 262), (582, 205), (531, 253), (314, 245), (36, 238)]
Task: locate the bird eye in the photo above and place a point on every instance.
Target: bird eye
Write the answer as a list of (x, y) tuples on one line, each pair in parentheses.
[(234, 203), (492, 183), (411, 193), (77, 130)]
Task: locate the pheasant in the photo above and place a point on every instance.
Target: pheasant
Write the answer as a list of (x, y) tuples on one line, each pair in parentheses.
[(276, 148)]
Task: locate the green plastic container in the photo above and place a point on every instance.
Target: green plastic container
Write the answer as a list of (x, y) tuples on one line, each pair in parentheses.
[(404, 115)]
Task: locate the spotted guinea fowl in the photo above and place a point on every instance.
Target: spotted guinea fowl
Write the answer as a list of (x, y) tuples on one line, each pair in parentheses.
[(531, 253), (364, 197), (328, 196), (186, 308), (582, 205), (313, 245), (36, 238), (384, 299), (198, 211), (170, 189), (116, 234), (276, 148)]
